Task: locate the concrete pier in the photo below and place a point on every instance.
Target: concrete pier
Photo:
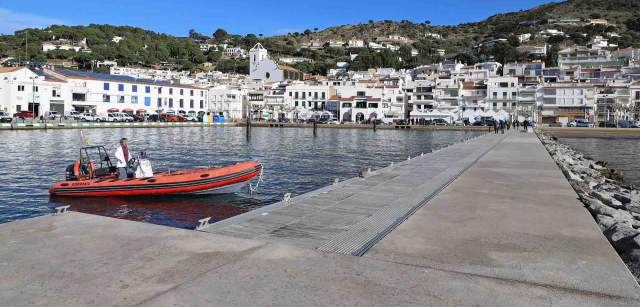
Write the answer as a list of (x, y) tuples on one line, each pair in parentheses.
[(491, 222)]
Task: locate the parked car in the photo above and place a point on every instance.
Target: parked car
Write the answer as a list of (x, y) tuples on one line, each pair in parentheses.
[(23, 114), (635, 124), (124, 117), (191, 118), (607, 124), (5, 117), (74, 115), (155, 118), (113, 117), (52, 115), (439, 122), (580, 123), (87, 117), (166, 117)]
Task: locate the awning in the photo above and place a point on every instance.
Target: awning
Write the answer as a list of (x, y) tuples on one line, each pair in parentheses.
[(141, 111), (182, 111), (127, 110), (112, 110)]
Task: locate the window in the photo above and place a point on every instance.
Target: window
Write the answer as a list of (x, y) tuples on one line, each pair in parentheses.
[(159, 90), (291, 94), (147, 89), (170, 91), (120, 99), (304, 95), (106, 98), (346, 105), (323, 95), (201, 104), (170, 100), (360, 94), (267, 75), (20, 88), (134, 88), (147, 101), (181, 103), (55, 93), (373, 105), (296, 96), (304, 104), (181, 92), (120, 87), (134, 99), (78, 97), (504, 104), (191, 93), (159, 102), (296, 104), (191, 103), (201, 93), (105, 86), (35, 89), (495, 95)]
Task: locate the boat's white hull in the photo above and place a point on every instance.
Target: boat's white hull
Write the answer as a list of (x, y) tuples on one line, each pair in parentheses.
[(227, 189)]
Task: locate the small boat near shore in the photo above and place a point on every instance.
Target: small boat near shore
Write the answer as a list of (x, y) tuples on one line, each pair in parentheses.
[(97, 178)]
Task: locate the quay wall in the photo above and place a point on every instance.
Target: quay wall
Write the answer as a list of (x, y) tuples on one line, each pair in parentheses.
[(90, 125)]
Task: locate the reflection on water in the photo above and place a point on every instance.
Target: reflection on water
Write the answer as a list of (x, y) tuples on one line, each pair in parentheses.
[(621, 154), (294, 161)]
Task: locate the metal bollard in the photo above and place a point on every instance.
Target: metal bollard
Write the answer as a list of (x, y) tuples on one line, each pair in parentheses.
[(203, 223), (287, 198), (61, 210)]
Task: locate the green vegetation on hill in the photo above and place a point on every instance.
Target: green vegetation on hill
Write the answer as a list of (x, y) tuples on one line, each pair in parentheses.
[(462, 42)]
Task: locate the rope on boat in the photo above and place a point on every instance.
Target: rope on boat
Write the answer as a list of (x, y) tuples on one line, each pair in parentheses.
[(252, 188)]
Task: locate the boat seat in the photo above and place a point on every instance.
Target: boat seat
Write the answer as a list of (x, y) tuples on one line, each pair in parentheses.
[(101, 172)]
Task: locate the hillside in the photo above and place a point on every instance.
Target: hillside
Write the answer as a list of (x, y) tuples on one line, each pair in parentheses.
[(147, 48)]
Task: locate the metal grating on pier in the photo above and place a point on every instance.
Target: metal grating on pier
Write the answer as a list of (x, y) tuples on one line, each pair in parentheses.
[(351, 216)]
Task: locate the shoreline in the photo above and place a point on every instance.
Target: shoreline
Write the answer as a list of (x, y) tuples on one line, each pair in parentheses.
[(102, 125), (565, 132)]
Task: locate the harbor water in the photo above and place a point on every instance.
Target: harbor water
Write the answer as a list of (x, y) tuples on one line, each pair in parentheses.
[(621, 154), (294, 161)]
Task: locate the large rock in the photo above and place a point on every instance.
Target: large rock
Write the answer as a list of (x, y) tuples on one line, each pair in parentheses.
[(596, 207), (605, 221), (622, 237), (607, 198)]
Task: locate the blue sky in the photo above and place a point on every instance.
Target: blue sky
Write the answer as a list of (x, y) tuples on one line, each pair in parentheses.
[(245, 16)]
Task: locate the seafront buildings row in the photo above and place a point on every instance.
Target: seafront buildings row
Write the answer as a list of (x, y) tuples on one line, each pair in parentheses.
[(589, 83)]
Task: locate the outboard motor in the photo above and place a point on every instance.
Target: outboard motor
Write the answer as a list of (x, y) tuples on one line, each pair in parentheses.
[(70, 174)]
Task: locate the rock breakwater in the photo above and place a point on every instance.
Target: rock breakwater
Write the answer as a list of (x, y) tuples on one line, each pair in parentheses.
[(614, 205)]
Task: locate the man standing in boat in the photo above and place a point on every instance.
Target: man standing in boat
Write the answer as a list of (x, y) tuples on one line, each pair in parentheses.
[(123, 155)]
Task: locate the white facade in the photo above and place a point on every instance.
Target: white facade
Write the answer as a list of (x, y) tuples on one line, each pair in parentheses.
[(64, 91), (228, 102)]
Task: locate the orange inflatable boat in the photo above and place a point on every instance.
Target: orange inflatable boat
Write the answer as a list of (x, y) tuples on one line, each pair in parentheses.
[(97, 177)]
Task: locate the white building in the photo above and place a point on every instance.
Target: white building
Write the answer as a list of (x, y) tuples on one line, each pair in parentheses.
[(235, 52), (263, 68), (228, 101), (65, 90)]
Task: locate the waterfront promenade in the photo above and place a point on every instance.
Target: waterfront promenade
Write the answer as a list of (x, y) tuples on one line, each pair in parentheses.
[(491, 221)]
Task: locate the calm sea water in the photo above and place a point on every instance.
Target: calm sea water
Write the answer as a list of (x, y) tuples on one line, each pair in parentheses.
[(621, 154), (294, 161)]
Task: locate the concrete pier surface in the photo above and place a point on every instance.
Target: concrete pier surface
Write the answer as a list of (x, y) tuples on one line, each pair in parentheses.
[(504, 229)]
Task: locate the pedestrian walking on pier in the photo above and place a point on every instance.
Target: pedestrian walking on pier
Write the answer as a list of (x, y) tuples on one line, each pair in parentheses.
[(502, 126), (495, 127), (525, 124)]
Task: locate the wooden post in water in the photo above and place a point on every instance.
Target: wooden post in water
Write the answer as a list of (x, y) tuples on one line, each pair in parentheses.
[(315, 128), (374, 125), (248, 128)]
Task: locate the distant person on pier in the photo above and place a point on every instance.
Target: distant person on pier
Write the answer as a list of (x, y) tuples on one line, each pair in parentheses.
[(123, 155), (495, 126), (525, 124)]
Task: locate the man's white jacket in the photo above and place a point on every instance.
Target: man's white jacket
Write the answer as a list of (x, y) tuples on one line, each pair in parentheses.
[(120, 156)]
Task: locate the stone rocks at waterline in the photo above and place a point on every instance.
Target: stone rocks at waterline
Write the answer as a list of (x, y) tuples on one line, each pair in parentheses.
[(614, 205)]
